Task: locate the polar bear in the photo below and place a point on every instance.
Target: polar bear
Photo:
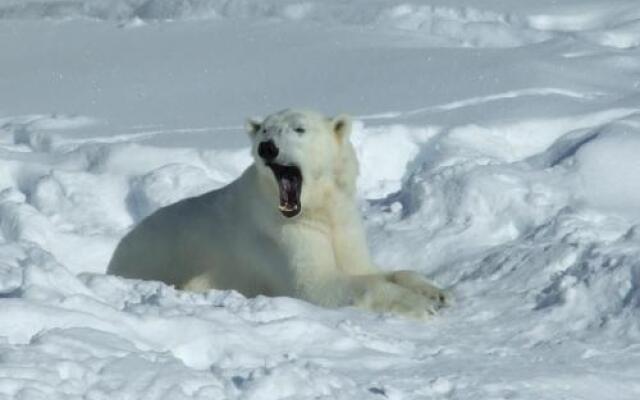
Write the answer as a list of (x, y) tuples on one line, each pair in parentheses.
[(288, 226)]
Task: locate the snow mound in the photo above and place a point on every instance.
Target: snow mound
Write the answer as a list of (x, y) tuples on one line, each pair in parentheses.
[(558, 226), (608, 166), (165, 186)]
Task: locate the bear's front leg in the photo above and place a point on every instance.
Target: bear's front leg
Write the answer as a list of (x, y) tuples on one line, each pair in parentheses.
[(418, 284)]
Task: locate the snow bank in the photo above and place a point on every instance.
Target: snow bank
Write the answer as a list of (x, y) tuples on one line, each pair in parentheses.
[(464, 25)]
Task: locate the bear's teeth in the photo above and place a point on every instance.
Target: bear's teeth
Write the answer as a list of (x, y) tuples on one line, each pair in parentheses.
[(288, 207)]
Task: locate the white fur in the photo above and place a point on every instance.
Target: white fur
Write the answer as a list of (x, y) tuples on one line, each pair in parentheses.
[(236, 238)]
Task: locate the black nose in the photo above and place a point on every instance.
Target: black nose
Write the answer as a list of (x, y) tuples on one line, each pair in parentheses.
[(268, 150)]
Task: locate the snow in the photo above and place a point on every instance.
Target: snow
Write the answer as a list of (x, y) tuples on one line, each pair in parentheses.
[(499, 144)]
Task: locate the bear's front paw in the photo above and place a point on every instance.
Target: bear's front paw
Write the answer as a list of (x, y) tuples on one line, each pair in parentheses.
[(381, 295), (418, 284)]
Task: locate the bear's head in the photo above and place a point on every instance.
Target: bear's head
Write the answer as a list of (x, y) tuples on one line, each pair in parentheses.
[(304, 157)]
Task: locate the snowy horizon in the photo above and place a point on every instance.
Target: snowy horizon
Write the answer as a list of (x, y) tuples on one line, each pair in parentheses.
[(499, 150)]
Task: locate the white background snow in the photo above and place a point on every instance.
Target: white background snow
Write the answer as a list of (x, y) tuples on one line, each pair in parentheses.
[(499, 144)]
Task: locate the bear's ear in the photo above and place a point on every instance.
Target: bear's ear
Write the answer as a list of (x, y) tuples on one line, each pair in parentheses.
[(252, 126), (341, 126)]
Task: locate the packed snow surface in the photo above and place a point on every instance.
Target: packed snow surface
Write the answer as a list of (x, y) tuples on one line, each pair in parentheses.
[(499, 144)]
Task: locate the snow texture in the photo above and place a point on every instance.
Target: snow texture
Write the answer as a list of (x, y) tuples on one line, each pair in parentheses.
[(499, 144)]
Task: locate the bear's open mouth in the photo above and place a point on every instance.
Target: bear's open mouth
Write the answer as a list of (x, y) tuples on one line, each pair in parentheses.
[(289, 180)]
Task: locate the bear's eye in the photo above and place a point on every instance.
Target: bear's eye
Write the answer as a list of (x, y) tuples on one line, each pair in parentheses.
[(299, 130)]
